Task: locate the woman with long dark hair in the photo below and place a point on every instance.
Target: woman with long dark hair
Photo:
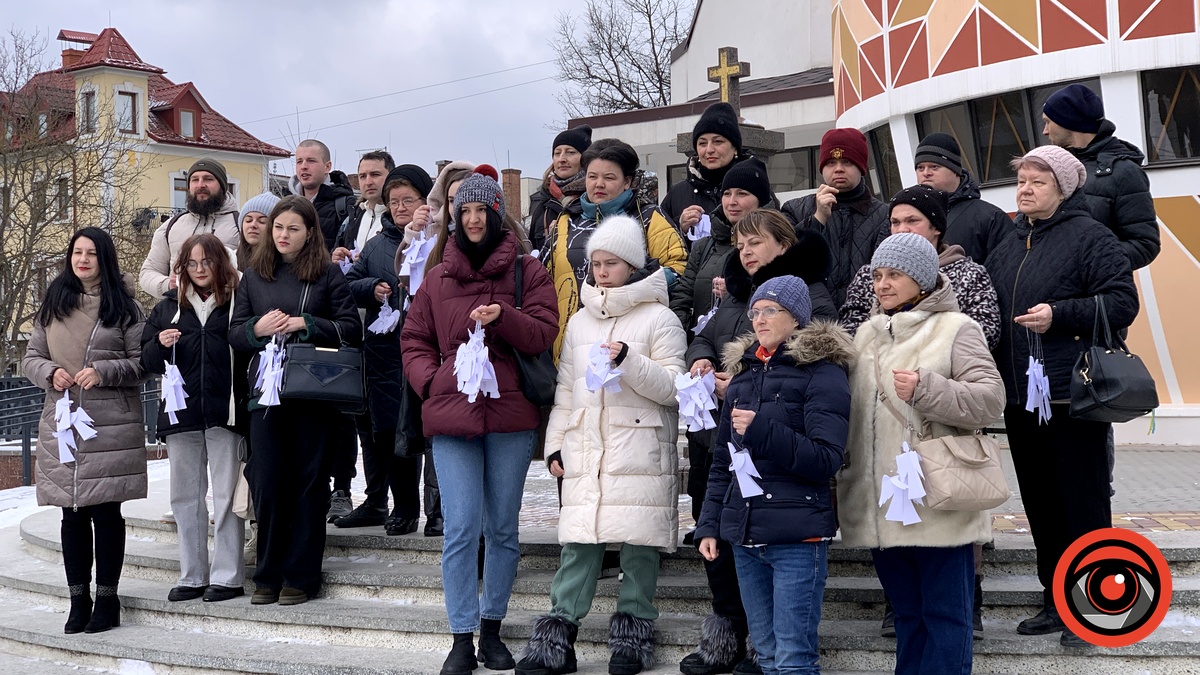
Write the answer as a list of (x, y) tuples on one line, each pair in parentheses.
[(481, 445), (86, 344), (290, 288), (189, 329)]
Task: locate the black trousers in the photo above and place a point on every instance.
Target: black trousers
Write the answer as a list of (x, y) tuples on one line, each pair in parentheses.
[(343, 444), (107, 546), (700, 459), (723, 582), (385, 471), (1062, 471), (290, 486), (433, 494)]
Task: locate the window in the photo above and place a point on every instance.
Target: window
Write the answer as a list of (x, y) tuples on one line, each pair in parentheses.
[(43, 124), (883, 166), (1171, 105), (956, 121), (62, 199), (179, 193), (87, 112), (127, 112), (187, 123), (793, 170)]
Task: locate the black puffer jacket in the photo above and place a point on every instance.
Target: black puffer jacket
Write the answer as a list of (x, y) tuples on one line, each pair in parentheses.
[(1065, 261), (544, 209), (1118, 194), (204, 360), (808, 259), (858, 223), (697, 189), (385, 377), (974, 224), (327, 209), (692, 297)]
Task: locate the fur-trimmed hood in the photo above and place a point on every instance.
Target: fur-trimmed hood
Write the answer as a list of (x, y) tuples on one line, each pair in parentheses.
[(818, 341), (810, 259)]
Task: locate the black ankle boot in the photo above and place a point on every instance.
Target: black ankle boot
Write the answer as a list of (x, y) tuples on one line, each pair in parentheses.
[(461, 660), (551, 648), (81, 609), (493, 654), (977, 610), (107, 612)]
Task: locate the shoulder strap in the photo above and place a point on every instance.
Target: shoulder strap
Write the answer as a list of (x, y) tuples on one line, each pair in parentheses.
[(887, 403), (171, 223), (519, 273), (340, 209)]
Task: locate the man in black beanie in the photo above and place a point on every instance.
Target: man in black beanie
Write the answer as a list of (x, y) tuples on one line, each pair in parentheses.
[(562, 184), (1117, 189), (974, 224), (717, 145)]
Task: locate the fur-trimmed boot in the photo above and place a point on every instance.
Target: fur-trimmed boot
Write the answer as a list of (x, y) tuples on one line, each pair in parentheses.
[(551, 648), (721, 647), (749, 664), (630, 644)]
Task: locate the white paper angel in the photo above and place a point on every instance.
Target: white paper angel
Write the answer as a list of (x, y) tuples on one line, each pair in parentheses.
[(387, 320), (697, 400), (473, 369), (701, 229), (905, 489), (415, 256), (270, 373), (67, 424), (601, 374), (173, 396), (742, 466), (346, 263)]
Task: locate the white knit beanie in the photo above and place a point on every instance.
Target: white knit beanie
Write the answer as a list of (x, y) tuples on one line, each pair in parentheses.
[(621, 236)]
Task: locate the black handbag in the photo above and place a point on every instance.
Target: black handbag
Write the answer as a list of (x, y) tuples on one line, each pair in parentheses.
[(327, 374), (538, 374), (1109, 384)]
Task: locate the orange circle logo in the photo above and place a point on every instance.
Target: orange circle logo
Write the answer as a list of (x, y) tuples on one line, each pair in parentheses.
[(1112, 587)]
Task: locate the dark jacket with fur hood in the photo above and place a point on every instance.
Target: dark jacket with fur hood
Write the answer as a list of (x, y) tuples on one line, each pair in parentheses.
[(797, 440)]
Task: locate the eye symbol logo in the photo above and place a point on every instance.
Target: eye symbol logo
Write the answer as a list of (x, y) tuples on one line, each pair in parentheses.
[(1112, 587)]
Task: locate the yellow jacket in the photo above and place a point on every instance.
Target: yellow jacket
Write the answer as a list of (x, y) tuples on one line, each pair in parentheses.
[(572, 230)]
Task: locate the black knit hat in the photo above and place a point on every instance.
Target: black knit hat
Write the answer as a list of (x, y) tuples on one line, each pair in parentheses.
[(940, 148), (930, 202), (1075, 108), (749, 175), (414, 175), (212, 166), (579, 138), (718, 118)]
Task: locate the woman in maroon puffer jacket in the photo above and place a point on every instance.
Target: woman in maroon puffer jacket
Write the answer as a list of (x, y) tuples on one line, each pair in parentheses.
[(482, 449)]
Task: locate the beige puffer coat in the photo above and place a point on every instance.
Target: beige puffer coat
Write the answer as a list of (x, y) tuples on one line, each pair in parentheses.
[(112, 466), (619, 449), (960, 389), (155, 276)]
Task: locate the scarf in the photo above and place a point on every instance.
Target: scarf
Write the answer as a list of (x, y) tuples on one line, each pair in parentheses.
[(565, 190), (612, 207)]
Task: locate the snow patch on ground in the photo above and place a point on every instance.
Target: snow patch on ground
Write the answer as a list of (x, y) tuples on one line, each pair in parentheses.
[(19, 502)]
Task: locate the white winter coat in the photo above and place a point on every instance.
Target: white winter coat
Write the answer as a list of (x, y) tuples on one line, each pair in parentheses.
[(619, 450)]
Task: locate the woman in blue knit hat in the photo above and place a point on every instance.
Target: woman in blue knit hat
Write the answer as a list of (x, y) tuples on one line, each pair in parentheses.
[(781, 439)]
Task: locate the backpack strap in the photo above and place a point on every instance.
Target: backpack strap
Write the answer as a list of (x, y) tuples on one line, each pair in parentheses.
[(519, 273), (171, 223)]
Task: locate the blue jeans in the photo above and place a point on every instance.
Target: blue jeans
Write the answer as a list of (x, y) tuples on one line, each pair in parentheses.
[(932, 592), (481, 480), (782, 589)]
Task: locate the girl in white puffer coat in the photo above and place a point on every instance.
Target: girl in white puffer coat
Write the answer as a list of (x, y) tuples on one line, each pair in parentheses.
[(616, 452)]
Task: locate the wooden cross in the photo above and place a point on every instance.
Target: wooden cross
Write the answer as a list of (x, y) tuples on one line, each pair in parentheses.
[(727, 75)]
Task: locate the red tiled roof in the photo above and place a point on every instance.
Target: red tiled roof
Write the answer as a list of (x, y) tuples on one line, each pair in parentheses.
[(215, 130), (76, 36), (111, 49)]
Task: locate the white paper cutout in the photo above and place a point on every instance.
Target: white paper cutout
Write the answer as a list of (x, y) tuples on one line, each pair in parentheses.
[(387, 320), (905, 489), (703, 321), (701, 229), (473, 369), (742, 466), (348, 262), (270, 373), (414, 260), (67, 424), (697, 400), (601, 374), (173, 395), (1037, 390)]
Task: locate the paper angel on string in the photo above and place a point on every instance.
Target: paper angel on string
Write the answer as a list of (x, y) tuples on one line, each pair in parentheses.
[(701, 229), (173, 396), (387, 320), (473, 369), (696, 400), (346, 263), (415, 256), (270, 373), (703, 320), (1037, 390), (67, 424), (742, 466), (601, 374), (905, 489)]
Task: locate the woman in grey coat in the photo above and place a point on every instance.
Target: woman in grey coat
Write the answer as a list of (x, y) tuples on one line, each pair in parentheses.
[(87, 344)]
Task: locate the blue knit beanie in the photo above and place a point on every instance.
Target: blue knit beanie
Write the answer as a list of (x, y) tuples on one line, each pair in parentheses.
[(791, 293)]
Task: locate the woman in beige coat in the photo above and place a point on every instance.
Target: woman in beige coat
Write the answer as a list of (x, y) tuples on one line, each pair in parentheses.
[(929, 362), (87, 343), (615, 450)]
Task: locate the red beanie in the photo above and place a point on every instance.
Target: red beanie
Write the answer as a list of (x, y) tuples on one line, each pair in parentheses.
[(847, 144)]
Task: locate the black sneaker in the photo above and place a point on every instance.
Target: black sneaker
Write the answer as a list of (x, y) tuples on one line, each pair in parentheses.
[(397, 526), (222, 593), (339, 505), (363, 516), (1045, 622), (181, 593)]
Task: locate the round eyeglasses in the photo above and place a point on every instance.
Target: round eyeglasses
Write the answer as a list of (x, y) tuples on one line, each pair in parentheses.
[(767, 313)]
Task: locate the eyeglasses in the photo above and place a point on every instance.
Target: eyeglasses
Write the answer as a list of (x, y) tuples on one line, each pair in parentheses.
[(193, 265), (767, 313), (407, 202)]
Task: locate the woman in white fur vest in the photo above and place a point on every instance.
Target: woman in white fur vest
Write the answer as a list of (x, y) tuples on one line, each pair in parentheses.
[(616, 452), (932, 364)]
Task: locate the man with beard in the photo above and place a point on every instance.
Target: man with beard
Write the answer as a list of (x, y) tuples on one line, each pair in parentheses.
[(211, 209), (329, 192)]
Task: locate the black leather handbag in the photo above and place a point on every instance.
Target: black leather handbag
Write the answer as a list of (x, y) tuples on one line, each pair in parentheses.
[(539, 375), (1109, 384), (327, 374)]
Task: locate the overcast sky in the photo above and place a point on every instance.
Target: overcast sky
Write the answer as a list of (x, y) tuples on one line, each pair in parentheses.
[(255, 60)]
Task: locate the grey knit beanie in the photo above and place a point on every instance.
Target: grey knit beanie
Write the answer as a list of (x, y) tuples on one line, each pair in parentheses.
[(480, 187), (912, 254), (791, 293), (258, 204)]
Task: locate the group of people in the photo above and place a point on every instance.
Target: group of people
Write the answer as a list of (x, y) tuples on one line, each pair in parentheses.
[(835, 328)]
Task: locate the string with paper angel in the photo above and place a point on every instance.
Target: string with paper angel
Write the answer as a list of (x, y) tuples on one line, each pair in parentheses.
[(174, 398), (473, 369), (348, 262), (387, 320), (701, 229), (601, 373), (270, 372), (1037, 389), (697, 399), (707, 316), (743, 469), (906, 488), (415, 256), (67, 423)]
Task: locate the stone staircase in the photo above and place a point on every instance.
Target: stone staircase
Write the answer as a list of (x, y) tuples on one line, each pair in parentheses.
[(381, 610)]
